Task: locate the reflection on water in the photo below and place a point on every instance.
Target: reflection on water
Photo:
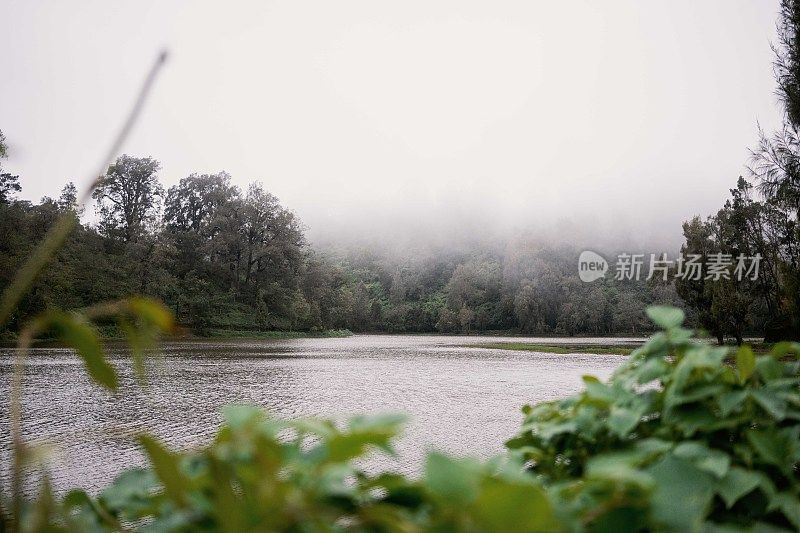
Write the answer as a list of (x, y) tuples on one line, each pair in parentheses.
[(461, 400)]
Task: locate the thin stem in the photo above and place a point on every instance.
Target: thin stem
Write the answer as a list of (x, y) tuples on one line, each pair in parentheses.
[(58, 233), (15, 415), (27, 274)]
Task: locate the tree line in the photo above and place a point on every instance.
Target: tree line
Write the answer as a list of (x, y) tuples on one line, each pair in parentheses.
[(229, 259), (760, 217)]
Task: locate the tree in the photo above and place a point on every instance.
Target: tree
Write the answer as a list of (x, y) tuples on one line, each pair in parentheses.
[(526, 309), (696, 290), (196, 202), (629, 314), (9, 186), (68, 199), (465, 318), (272, 238), (9, 183), (128, 197), (775, 165)]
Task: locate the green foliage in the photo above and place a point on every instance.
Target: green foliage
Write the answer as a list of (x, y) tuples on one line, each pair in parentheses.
[(683, 437), (262, 474), (141, 319), (75, 331), (224, 259), (557, 348), (764, 224)]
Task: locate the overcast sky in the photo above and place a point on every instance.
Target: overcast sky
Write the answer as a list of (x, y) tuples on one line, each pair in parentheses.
[(621, 118)]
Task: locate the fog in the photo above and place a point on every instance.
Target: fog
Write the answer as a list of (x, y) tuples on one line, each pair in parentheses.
[(381, 122)]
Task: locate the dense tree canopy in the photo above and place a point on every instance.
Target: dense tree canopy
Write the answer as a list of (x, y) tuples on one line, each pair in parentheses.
[(223, 258), (765, 224)]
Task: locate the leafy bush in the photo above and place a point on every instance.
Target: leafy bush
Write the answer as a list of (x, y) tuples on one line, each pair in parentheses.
[(264, 474), (683, 437)]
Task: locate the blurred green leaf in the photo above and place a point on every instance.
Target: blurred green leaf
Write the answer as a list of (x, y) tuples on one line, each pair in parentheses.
[(772, 445), (745, 362), (771, 403), (682, 494), (784, 349), (709, 460), (153, 312), (623, 419), (789, 505), (129, 494), (666, 317), (145, 321), (455, 480), (729, 401), (73, 330), (165, 466), (507, 506), (737, 483)]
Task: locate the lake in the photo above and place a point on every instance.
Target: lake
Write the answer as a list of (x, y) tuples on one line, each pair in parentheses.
[(460, 399)]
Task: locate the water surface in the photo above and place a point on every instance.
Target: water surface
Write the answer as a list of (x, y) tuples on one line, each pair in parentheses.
[(462, 400)]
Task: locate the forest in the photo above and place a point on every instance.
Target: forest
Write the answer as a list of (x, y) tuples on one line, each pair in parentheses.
[(227, 260)]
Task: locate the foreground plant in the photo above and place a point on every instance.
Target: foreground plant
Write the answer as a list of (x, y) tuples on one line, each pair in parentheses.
[(262, 474), (683, 437)]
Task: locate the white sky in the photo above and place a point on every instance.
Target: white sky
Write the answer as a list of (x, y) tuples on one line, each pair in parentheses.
[(621, 118)]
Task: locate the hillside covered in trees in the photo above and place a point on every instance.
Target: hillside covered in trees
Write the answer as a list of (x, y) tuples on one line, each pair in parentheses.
[(223, 258)]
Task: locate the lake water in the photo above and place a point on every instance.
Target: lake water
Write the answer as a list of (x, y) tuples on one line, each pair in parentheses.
[(462, 400)]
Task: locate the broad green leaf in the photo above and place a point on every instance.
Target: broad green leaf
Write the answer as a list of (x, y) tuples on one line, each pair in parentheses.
[(783, 349), (549, 430), (652, 446), (736, 483), (74, 331), (512, 506), (387, 423), (138, 342), (666, 317), (229, 509), (165, 465), (455, 480), (238, 416), (745, 362), (709, 460), (729, 401), (129, 494), (769, 369), (148, 319), (598, 391), (770, 402), (789, 505), (771, 445), (40, 512), (692, 418), (153, 312), (322, 428), (682, 494), (623, 419), (346, 446), (651, 369), (620, 466)]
